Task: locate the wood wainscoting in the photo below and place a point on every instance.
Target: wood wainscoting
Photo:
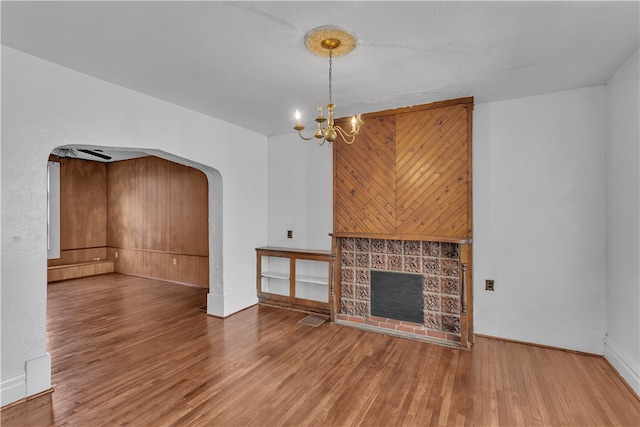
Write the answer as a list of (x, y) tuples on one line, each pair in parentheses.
[(81, 269), (74, 263), (180, 268)]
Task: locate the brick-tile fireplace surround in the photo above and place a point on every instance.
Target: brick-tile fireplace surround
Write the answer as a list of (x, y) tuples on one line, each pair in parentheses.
[(437, 262)]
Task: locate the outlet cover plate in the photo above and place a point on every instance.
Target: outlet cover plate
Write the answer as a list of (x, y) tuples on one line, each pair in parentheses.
[(488, 285)]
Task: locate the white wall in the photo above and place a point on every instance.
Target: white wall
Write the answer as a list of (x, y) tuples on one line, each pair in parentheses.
[(622, 344), (45, 106), (300, 193), (539, 224), (539, 219)]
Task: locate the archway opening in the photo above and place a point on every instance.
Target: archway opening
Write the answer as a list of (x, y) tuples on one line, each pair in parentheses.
[(150, 209)]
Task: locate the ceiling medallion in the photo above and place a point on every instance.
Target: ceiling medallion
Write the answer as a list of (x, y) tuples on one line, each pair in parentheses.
[(329, 42)]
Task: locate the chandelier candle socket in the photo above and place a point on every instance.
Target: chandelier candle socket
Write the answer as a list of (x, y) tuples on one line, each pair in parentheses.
[(330, 41)]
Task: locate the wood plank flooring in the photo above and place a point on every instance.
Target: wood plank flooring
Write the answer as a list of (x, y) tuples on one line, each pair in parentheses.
[(137, 352)]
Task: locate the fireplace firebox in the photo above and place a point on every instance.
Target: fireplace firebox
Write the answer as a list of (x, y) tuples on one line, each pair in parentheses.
[(396, 296)]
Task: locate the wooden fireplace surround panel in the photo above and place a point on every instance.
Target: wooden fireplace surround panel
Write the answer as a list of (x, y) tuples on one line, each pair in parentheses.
[(408, 176)]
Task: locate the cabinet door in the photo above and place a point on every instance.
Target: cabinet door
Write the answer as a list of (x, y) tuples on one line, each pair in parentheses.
[(364, 179)]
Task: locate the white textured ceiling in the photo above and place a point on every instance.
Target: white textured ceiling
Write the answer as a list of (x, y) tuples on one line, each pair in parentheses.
[(246, 63)]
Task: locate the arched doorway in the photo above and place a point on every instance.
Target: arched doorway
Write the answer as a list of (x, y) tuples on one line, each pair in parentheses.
[(203, 226)]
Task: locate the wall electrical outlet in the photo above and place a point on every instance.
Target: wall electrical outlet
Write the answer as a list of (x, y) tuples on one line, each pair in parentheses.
[(488, 285), (289, 234), (174, 261)]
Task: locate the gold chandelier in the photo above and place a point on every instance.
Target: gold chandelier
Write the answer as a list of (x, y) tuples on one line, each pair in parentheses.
[(330, 41)]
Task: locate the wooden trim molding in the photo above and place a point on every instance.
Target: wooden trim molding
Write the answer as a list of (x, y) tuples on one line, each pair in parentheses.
[(382, 236), (437, 104)]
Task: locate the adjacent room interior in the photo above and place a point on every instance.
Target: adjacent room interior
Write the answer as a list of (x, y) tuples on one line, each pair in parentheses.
[(143, 216)]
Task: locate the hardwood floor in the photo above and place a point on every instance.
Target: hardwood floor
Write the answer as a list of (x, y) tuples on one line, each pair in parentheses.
[(132, 351)]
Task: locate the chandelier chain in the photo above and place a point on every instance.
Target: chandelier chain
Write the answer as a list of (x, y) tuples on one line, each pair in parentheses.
[(330, 67)]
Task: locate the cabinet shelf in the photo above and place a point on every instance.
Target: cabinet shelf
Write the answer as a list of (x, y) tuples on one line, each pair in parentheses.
[(294, 277), (276, 275), (313, 279)]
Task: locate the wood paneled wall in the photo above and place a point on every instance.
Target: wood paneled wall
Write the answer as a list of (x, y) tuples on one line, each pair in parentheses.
[(188, 269), (83, 211), (364, 180), (152, 212), (158, 220), (408, 175)]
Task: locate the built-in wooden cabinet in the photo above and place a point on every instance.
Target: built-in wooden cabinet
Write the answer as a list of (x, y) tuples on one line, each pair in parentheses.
[(294, 277)]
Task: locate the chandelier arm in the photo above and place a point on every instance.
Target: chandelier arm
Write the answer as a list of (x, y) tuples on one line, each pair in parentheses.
[(306, 139), (345, 135)]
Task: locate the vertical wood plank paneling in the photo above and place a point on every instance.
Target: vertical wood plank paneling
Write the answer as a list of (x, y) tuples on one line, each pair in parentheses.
[(158, 205), (158, 212), (83, 204)]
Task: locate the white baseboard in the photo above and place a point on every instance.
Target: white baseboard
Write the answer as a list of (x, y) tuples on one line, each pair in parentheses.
[(35, 379), (13, 389), (628, 368), (38, 374), (224, 306), (215, 305)]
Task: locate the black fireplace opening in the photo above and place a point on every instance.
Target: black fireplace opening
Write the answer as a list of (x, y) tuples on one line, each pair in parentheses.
[(397, 296)]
